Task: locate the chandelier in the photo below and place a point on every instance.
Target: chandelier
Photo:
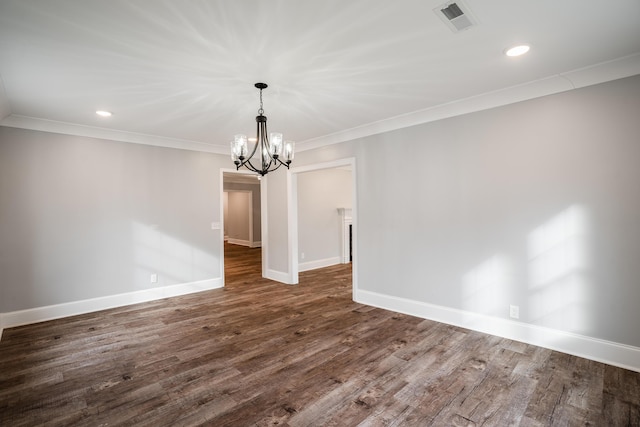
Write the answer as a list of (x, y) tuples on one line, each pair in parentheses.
[(269, 149)]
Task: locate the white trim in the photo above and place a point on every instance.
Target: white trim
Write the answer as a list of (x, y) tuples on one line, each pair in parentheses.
[(334, 164), (292, 217), (594, 74), (264, 225), (43, 125), (621, 355), (599, 73), (263, 219), (239, 242), (346, 221), (292, 212), (41, 314), (278, 276), (223, 238), (246, 243), (354, 230), (320, 263), (250, 225)]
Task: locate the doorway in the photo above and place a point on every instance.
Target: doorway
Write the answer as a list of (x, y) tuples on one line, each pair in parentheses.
[(295, 250), (241, 218)]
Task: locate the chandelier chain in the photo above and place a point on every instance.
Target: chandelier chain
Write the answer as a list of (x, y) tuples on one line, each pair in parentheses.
[(261, 109)]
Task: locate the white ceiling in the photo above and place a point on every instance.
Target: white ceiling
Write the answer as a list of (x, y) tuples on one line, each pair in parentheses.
[(182, 72)]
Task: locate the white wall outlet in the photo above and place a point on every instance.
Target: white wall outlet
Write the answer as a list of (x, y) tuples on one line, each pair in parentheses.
[(301, 255), (154, 278), (215, 226), (514, 311)]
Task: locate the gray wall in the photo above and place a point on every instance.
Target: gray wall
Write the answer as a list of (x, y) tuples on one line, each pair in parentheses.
[(534, 204), (256, 208), (82, 218), (236, 224), (320, 194)]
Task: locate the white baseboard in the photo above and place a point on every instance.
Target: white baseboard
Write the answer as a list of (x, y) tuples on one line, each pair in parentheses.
[(321, 263), (278, 276), (621, 355), (246, 243), (41, 314), (239, 242)]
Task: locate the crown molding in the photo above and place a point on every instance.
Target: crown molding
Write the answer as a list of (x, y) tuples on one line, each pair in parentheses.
[(600, 73), (32, 123)]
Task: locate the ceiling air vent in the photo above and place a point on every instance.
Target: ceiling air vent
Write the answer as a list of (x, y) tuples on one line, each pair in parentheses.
[(456, 15)]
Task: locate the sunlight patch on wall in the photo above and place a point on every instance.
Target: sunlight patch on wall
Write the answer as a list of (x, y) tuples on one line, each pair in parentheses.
[(485, 286), (558, 261), (174, 261)]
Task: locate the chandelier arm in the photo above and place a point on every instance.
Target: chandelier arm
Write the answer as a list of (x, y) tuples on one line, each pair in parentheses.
[(252, 168), (255, 146), (264, 143), (247, 160), (247, 163), (260, 141), (277, 167), (286, 164), (266, 167)]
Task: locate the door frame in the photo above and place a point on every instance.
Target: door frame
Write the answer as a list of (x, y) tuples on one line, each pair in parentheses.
[(263, 213)]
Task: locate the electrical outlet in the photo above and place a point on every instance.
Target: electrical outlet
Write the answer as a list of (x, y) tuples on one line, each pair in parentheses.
[(514, 311), (154, 278), (301, 255)]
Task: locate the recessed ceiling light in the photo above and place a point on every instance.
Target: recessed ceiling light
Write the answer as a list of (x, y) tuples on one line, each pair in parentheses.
[(517, 50), (102, 113)]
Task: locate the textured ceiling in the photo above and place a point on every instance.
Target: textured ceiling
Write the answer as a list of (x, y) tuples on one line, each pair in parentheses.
[(184, 70)]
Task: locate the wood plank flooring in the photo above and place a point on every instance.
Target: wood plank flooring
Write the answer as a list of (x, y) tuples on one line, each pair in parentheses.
[(260, 353)]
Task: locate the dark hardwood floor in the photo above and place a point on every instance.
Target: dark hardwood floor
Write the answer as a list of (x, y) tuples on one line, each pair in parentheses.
[(263, 353)]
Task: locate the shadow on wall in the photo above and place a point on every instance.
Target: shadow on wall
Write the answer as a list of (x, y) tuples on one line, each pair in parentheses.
[(556, 276), (172, 260)]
